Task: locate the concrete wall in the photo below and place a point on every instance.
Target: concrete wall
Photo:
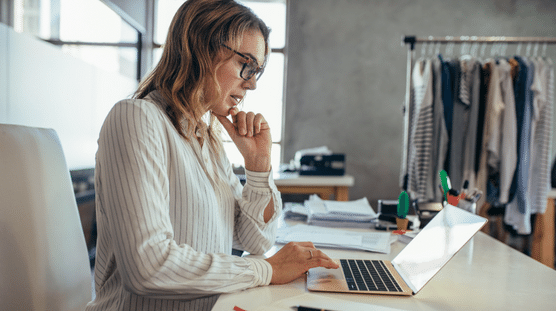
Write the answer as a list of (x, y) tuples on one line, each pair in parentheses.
[(346, 72)]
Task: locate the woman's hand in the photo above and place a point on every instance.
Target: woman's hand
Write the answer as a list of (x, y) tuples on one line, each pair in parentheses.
[(251, 134), (296, 258)]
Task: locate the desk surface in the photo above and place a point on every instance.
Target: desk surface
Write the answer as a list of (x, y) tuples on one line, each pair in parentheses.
[(485, 275)]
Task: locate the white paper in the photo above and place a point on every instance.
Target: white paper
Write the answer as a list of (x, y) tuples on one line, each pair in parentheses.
[(353, 211), (323, 238), (335, 238), (358, 207), (296, 208)]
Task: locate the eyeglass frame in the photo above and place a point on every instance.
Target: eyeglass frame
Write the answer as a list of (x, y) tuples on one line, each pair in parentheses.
[(258, 72)]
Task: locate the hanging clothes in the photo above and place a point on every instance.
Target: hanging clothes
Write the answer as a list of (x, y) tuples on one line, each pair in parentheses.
[(541, 134), (470, 90), (493, 107), (440, 133), (505, 161), (421, 130), (486, 122), (518, 211)]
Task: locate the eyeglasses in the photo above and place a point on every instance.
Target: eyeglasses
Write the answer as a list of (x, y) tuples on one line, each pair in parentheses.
[(250, 68)]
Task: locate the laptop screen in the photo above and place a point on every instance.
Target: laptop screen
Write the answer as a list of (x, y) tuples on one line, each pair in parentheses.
[(435, 245)]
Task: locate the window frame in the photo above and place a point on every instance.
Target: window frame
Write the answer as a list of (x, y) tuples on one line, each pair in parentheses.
[(7, 17)]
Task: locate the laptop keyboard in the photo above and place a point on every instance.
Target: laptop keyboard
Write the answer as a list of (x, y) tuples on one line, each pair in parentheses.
[(368, 275)]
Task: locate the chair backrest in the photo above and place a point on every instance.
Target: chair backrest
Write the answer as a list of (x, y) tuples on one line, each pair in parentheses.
[(43, 256)]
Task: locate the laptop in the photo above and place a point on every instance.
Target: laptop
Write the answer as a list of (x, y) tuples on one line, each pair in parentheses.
[(412, 268)]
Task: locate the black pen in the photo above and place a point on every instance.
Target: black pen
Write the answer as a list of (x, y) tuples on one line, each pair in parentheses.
[(301, 308)]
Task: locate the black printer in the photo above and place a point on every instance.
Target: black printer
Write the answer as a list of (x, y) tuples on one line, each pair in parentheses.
[(323, 165)]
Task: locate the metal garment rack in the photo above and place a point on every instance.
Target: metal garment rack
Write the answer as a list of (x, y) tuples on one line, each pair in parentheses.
[(411, 41)]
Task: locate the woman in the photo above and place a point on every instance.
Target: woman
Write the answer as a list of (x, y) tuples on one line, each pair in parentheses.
[(169, 208)]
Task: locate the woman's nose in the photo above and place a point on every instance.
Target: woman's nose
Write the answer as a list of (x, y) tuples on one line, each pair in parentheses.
[(251, 84)]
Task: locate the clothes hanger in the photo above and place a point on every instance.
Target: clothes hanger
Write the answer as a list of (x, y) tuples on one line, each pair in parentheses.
[(450, 49), (474, 49), (504, 47), (483, 48)]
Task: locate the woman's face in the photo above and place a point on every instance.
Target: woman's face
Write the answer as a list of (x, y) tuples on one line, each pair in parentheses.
[(232, 86)]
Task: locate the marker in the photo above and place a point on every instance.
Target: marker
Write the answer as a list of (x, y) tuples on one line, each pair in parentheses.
[(445, 183), (464, 190)]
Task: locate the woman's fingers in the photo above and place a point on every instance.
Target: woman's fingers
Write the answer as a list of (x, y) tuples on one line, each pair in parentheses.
[(320, 259), (258, 122), (296, 258), (249, 119), (227, 124), (248, 123), (240, 122)]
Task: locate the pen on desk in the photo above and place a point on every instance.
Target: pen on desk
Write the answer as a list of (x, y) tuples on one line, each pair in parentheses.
[(477, 197), (301, 308), (464, 189)]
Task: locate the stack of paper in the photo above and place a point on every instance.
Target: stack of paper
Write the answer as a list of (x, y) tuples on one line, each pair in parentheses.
[(295, 211), (335, 238), (357, 213)]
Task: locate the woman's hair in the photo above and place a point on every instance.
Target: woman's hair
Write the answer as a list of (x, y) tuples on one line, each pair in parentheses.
[(186, 74)]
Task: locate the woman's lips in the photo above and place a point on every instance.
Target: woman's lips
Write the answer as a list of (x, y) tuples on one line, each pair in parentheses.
[(233, 109)]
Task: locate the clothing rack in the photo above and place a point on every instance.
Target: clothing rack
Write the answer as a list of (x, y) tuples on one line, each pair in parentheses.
[(411, 41), (542, 248)]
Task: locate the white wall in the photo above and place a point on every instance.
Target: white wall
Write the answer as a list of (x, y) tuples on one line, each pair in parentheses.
[(40, 86)]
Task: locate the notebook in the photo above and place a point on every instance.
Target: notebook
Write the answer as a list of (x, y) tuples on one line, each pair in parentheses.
[(412, 268)]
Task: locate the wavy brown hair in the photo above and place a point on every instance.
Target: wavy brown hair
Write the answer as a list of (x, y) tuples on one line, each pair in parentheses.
[(186, 74)]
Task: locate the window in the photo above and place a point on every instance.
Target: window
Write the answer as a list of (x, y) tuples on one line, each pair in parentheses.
[(268, 97), (85, 29)]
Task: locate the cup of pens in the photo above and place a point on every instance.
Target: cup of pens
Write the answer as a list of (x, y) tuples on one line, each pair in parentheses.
[(464, 199)]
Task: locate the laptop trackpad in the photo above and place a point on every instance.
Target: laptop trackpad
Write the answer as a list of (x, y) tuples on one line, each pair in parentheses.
[(329, 280)]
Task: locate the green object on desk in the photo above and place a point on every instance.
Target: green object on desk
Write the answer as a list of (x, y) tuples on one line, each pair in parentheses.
[(403, 204), (445, 183)]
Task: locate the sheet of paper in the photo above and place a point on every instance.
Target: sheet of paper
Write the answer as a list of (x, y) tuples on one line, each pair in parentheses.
[(370, 241), (323, 238), (357, 207)]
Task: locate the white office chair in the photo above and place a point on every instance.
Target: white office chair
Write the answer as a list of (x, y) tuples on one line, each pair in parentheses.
[(43, 256)]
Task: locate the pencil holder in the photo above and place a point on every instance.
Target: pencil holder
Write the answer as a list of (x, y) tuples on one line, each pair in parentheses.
[(402, 223)]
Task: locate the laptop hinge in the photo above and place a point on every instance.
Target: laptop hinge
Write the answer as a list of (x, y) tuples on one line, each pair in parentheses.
[(406, 280)]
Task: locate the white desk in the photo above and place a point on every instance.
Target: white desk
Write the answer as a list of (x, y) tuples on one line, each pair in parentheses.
[(485, 275), (324, 186)]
